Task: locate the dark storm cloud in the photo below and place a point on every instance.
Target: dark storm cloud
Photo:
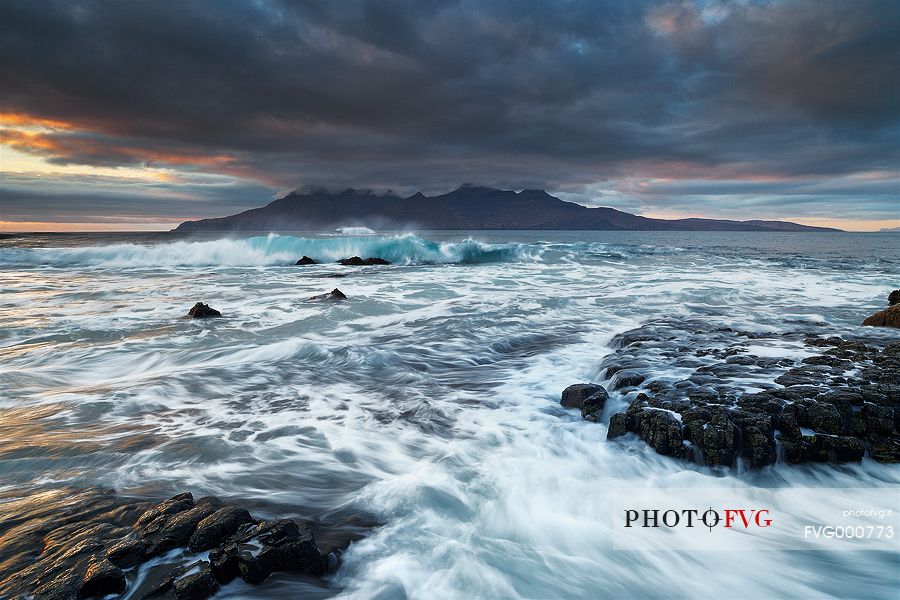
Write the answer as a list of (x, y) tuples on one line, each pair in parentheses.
[(561, 95)]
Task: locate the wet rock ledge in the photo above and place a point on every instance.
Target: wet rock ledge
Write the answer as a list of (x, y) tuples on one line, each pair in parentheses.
[(65, 544), (716, 396)]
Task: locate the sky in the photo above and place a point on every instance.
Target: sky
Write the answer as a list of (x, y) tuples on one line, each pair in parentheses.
[(139, 115)]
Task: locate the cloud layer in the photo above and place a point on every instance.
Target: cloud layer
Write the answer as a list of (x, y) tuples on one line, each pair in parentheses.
[(735, 109)]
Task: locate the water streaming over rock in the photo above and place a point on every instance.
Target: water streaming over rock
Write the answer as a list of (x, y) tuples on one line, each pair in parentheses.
[(427, 404)]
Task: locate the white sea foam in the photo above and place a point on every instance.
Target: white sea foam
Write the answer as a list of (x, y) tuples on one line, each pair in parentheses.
[(429, 399), (355, 231)]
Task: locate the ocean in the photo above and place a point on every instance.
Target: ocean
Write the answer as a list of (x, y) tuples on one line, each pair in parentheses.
[(420, 418)]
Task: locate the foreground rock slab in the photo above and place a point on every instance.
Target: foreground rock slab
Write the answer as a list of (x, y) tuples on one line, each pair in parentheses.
[(70, 545), (698, 392)]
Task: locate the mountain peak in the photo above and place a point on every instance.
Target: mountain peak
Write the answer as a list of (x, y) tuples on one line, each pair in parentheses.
[(468, 207)]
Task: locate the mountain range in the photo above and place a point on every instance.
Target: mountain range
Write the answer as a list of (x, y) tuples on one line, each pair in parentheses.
[(469, 207)]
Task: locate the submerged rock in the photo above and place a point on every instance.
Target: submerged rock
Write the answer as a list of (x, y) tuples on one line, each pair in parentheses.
[(889, 317), (305, 260), (836, 406), (356, 261), (68, 545), (203, 311)]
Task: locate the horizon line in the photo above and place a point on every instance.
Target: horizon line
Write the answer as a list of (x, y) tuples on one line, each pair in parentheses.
[(95, 228)]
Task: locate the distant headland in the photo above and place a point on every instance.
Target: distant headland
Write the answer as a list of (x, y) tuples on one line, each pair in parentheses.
[(469, 207)]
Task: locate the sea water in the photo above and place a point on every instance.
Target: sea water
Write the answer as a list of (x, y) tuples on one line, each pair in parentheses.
[(423, 412)]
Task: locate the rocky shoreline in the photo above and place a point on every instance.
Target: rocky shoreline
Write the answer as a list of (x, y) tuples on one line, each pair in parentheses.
[(745, 399), (693, 390), (75, 544)]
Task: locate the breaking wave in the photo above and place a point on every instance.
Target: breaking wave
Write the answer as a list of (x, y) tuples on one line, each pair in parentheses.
[(271, 250), (355, 231)]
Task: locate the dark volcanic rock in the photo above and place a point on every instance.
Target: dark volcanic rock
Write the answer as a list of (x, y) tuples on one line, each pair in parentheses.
[(574, 395), (203, 311), (835, 406), (334, 294), (889, 317), (305, 260), (225, 562), (593, 405), (197, 584), (355, 261), (757, 438), (823, 448), (886, 449), (801, 376), (626, 380), (173, 505), (166, 533), (590, 398), (129, 552), (258, 550), (217, 526), (894, 298), (619, 425), (68, 545), (54, 543), (662, 430), (825, 360), (102, 578), (824, 418), (715, 439), (161, 581)]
